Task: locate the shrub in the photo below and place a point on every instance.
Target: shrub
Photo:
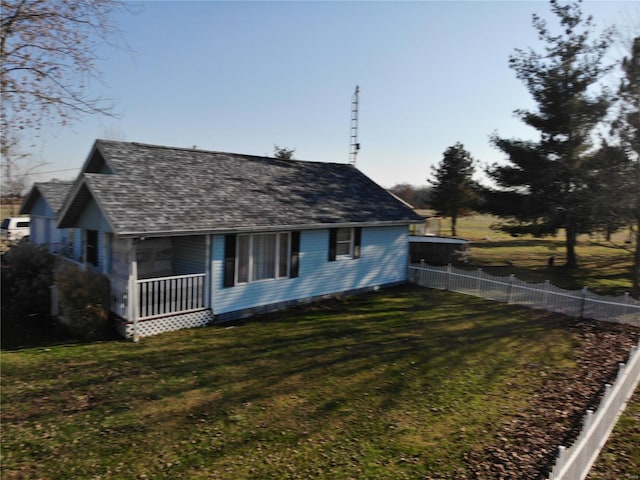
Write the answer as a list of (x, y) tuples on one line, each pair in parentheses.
[(84, 301), (27, 274)]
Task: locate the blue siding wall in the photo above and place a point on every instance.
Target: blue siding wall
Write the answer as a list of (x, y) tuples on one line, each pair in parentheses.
[(92, 218), (41, 208), (78, 244), (43, 226), (384, 256), (39, 228)]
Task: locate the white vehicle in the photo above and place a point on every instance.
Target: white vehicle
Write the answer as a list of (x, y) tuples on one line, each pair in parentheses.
[(15, 229)]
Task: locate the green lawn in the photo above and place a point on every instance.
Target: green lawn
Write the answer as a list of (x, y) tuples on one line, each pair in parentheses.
[(605, 266), (396, 384)]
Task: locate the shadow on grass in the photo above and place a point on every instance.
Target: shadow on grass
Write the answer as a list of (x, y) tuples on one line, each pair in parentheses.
[(39, 331), (552, 244), (394, 367)]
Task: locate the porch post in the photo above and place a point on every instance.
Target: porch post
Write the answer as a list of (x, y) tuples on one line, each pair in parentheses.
[(133, 289), (208, 273)]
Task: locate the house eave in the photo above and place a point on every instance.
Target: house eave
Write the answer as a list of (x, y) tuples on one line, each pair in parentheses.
[(258, 229)]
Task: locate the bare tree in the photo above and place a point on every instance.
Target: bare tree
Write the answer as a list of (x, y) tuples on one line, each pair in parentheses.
[(48, 52), (16, 168)]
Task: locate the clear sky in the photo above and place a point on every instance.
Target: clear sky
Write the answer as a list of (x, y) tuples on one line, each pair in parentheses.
[(243, 76)]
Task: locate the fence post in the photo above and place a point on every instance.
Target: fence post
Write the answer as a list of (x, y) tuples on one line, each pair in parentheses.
[(510, 287), (583, 302), (627, 309), (447, 279), (561, 460), (478, 282), (545, 296), (588, 417)]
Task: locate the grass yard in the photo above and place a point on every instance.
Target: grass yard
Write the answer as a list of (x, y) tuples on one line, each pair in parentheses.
[(404, 383), (9, 209), (605, 266)]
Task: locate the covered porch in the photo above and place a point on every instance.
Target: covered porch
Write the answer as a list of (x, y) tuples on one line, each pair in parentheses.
[(156, 285), (159, 282), (157, 297), (145, 307)]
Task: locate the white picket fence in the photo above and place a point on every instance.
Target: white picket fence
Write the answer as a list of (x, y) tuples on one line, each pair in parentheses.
[(572, 463), (575, 462), (544, 296)]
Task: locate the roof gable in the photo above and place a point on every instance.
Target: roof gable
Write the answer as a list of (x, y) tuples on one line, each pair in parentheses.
[(53, 193), (162, 190)]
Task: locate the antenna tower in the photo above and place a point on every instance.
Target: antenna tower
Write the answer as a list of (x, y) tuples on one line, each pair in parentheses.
[(355, 146)]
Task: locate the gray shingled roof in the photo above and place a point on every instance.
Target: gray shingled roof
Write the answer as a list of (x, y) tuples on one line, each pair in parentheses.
[(163, 190), (54, 194)]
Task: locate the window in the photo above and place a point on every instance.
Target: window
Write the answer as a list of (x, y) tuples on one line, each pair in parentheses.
[(243, 259), (344, 243), (262, 256)]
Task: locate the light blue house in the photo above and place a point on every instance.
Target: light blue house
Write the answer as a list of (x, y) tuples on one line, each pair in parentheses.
[(190, 237), (43, 204)]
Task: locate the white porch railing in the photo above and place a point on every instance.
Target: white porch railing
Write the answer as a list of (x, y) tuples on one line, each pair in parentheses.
[(170, 295)]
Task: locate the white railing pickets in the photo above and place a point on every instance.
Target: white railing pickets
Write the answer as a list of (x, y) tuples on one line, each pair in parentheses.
[(170, 295), (574, 463), (544, 296)]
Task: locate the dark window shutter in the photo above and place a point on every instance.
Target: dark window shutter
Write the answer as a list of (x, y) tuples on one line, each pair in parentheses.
[(357, 239), (229, 260), (333, 238), (295, 254)]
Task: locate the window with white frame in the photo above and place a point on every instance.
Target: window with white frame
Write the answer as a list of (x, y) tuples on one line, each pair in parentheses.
[(344, 243), (262, 256)]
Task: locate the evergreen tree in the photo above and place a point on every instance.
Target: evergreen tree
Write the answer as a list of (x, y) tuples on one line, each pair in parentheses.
[(545, 184), (626, 127), (454, 193)]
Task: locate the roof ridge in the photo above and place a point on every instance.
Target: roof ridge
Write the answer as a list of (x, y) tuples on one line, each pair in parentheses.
[(218, 152)]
